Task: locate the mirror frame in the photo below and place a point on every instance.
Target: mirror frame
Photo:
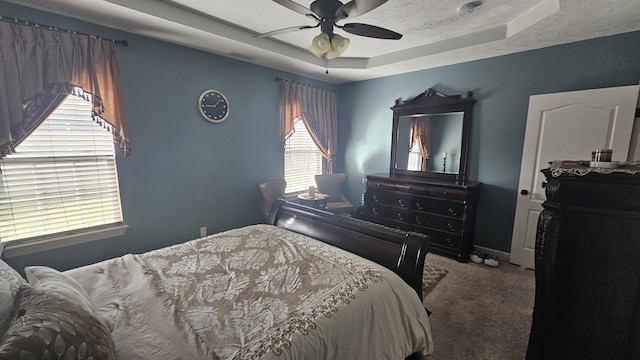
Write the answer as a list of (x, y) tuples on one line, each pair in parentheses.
[(432, 102)]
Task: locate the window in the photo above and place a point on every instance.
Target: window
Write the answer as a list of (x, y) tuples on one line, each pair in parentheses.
[(61, 178), (415, 158), (302, 159)]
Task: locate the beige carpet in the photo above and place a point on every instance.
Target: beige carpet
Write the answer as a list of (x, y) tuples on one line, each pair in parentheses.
[(480, 312)]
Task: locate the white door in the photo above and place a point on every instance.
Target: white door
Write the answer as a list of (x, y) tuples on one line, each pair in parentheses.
[(566, 126)]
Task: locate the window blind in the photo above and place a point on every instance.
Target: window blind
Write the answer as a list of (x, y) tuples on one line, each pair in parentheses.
[(302, 159), (61, 178)]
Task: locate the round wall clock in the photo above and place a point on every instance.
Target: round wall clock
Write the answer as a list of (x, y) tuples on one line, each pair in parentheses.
[(213, 106)]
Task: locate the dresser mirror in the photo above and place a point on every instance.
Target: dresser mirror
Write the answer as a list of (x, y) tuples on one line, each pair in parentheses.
[(430, 136)]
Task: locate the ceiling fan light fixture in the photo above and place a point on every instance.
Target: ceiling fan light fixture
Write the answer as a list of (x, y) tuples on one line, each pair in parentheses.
[(328, 47), (320, 45), (338, 45)]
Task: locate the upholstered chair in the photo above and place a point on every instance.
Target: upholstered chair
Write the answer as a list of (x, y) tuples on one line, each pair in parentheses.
[(331, 184), (269, 192)]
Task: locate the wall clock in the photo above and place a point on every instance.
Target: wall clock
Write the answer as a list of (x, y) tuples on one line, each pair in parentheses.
[(213, 106)]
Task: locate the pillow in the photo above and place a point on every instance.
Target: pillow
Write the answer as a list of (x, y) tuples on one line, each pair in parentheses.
[(10, 281), (12, 276), (7, 305), (49, 326), (46, 278)]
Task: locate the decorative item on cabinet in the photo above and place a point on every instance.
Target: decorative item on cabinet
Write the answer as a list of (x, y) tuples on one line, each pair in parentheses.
[(444, 162), (443, 210), (587, 301)]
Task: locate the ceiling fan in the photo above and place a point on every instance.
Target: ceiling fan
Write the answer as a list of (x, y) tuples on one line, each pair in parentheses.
[(327, 13)]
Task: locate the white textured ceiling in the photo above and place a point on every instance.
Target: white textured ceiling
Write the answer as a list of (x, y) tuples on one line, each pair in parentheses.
[(433, 32)]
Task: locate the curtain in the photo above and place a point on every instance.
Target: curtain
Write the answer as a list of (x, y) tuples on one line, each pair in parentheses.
[(317, 109), (39, 67), (421, 135)]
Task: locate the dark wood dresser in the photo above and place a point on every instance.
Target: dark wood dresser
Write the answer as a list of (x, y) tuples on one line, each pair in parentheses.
[(587, 301), (444, 210)]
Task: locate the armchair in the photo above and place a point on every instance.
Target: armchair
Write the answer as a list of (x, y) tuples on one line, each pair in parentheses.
[(270, 191), (331, 184)]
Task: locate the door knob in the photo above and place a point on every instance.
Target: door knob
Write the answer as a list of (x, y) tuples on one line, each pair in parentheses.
[(524, 192)]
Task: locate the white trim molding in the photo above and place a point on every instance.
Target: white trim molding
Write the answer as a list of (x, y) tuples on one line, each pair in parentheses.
[(68, 238)]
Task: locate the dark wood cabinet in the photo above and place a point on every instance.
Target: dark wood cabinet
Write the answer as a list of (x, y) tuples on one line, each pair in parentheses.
[(444, 210), (587, 301)]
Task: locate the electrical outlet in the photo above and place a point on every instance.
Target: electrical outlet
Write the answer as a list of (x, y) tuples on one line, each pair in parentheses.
[(203, 231)]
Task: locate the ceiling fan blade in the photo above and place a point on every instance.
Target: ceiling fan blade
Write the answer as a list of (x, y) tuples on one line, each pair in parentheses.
[(292, 5), (285, 30), (370, 31), (357, 7)]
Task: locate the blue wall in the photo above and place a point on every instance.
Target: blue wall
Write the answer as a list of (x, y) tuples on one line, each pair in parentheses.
[(184, 172), (502, 86)]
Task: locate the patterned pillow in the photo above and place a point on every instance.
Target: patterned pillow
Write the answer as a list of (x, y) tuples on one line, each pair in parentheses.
[(46, 278), (7, 305), (48, 326), (12, 276), (10, 281)]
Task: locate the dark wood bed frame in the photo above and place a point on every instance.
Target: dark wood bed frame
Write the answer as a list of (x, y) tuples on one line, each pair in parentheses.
[(400, 251)]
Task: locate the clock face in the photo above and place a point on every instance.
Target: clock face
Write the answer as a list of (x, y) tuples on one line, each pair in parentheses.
[(213, 106)]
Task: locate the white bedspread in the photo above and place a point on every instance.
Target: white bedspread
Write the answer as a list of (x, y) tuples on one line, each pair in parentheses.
[(258, 292)]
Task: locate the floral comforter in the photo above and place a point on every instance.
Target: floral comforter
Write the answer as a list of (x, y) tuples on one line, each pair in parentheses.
[(258, 292)]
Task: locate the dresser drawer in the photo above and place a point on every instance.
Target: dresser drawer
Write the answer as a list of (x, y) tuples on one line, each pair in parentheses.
[(436, 222), (424, 190), (442, 239), (388, 212), (383, 185), (442, 207), (387, 198), (440, 192)]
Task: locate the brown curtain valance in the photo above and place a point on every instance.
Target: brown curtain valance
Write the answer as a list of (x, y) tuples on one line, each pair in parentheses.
[(317, 109), (39, 67)]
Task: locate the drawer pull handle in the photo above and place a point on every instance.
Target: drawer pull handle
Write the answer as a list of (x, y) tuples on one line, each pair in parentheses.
[(374, 211), (451, 227), (450, 242), (452, 211), (419, 205), (444, 193), (400, 217), (375, 198), (402, 203), (418, 220)]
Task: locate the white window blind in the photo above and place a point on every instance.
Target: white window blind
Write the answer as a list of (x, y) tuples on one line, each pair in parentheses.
[(61, 178), (302, 159)]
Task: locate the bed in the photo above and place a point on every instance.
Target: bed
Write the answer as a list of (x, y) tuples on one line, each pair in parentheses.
[(307, 285)]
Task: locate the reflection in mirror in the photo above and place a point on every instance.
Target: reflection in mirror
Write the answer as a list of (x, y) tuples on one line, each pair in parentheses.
[(429, 142)]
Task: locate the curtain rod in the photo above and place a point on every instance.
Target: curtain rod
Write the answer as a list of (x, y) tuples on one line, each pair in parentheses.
[(296, 82), (54, 28)]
